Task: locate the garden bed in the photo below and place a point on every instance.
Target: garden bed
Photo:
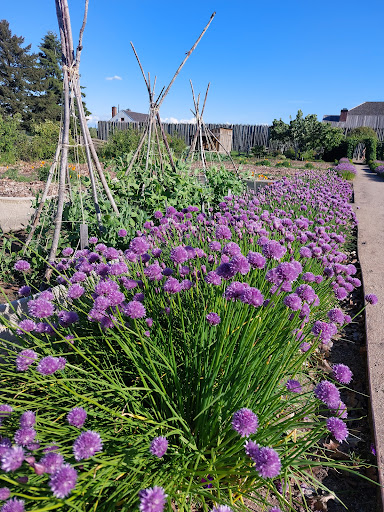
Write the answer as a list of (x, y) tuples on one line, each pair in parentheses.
[(351, 337)]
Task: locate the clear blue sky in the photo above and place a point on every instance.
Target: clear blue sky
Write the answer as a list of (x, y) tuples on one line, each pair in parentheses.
[(264, 59)]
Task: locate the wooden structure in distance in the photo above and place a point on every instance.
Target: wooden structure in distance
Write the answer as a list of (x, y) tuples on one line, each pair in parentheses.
[(154, 124)]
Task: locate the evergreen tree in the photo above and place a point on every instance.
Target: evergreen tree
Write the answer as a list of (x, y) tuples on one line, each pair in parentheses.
[(47, 104), (18, 74)]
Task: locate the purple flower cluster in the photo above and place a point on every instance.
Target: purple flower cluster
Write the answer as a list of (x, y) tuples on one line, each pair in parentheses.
[(87, 444), (267, 460), (152, 499), (159, 446), (245, 422)]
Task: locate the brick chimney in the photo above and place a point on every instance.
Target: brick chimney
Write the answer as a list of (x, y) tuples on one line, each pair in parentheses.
[(114, 111), (343, 115)]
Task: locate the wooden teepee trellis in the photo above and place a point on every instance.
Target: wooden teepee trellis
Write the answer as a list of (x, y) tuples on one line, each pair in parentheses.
[(204, 139), (71, 87), (154, 124)]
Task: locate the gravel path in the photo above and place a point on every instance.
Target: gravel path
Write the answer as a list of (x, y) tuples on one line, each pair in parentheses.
[(369, 193)]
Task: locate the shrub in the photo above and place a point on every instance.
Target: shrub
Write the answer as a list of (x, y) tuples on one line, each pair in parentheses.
[(259, 151), (44, 142), (380, 170), (266, 163), (121, 142), (290, 153), (12, 139)]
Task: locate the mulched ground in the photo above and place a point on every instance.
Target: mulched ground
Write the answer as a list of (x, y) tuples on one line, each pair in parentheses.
[(28, 170)]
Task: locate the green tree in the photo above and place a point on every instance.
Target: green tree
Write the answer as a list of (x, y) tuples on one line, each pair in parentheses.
[(362, 132), (47, 105), (18, 74), (305, 134)]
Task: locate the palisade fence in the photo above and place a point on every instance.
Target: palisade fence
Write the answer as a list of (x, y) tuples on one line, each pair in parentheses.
[(244, 137)]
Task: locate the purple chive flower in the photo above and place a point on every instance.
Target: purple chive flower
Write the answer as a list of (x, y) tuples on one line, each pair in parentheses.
[(149, 322), (52, 462), (215, 246), (13, 505), (87, 444), (371, 299), (328, 393), (152, 499), (139, 245), (252, 296), (274, 250), (122, 233), (245, 422), (306, 292), (67, 251), (12, 459), (288, 271), (135, 309), (213, 319), (75, 291), (158, 214), (256, 260), (275, 509), (26, 325), (341, 411), (305, 252), (49, 365), (25, 358), (27, 419), (4, 493), (223, 232), (342, 373), (337, 428), (267, 462), (5, 445), (336, 315), (179, 254), (222, 508), (63, 481), (24, 436), (22, 266), (159, 446), (213, 278), (77, 417), (67, 318), (239, 264), (234, 291), (40, 308), (24, 291), (293, 302), (172, 285), (293, 386)]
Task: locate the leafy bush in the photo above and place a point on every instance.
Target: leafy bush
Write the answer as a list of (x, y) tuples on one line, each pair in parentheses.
[(121, 142), (266, 163), (171, 373), (290, 153), (220, 180), (12, 139), (44, 140), (177, 144), (259, 151)]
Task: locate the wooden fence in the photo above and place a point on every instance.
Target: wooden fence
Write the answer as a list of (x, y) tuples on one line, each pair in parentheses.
[(244, 137)]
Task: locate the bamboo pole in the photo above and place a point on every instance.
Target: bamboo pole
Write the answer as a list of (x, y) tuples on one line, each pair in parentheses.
[(39, 209), (160, 100)]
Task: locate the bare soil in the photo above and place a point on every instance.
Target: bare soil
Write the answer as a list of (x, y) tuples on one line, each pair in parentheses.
[(32, 185)]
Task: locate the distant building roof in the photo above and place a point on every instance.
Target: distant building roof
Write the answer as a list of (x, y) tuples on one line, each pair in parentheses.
[(369, 108), (136, 116), (334, 119)]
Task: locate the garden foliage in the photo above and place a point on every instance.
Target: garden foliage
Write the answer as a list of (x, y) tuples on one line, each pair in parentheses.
[(182, 370)]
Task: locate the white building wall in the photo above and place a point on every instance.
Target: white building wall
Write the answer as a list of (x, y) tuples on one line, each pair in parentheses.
[(121, 116)]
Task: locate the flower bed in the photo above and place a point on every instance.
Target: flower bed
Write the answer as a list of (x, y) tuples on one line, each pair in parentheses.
[(184, 369)]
